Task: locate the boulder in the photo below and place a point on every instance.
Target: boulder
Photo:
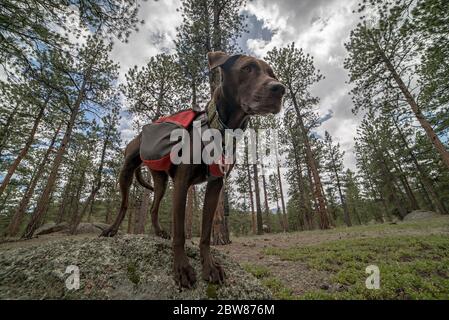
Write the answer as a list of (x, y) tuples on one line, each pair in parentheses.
[(86, 228), (83, 228), (51, 227), (124, 267), (420, 215), (101, 226)]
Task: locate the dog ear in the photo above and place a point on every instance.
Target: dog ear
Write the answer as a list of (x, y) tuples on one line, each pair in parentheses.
[(216, 59)]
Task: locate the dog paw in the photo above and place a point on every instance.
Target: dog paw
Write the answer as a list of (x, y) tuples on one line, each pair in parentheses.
[(185, 275), (163, 234), (213, 273), (108, 233)]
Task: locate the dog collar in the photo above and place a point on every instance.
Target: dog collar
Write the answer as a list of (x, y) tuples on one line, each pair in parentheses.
[(214, 119)]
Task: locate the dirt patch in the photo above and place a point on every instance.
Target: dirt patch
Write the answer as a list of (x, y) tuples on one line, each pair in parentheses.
[(296, 275)]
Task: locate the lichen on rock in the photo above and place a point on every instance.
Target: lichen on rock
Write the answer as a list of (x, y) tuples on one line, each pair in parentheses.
[(125, 267)]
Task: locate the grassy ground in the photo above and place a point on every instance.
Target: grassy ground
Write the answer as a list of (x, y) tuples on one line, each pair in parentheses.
[(413, 260)]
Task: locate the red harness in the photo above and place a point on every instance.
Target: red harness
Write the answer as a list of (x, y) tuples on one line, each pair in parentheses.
[(183, 119)]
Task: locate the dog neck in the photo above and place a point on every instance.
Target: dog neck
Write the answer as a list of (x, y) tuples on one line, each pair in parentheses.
[(225, 114)]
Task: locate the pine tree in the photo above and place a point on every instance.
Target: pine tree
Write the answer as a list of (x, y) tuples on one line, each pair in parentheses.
[(334, 166), (28, 26), (382, 52), (81, 85), (155, 90), (296, 70)]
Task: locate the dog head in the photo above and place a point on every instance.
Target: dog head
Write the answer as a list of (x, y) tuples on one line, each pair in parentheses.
[(249, 82)]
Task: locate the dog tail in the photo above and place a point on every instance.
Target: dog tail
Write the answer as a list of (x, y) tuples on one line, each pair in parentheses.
[(141, 180)]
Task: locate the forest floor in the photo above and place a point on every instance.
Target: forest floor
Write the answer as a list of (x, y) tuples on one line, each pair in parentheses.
[(413, 259)]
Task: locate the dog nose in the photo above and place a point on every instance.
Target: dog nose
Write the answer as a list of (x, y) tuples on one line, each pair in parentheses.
[(278, 88)]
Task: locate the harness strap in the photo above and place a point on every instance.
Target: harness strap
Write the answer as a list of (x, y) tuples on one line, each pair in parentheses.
[(214, 121), (213, 117)]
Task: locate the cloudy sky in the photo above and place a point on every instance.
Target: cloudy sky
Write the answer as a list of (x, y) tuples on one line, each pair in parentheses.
[(320, 27)]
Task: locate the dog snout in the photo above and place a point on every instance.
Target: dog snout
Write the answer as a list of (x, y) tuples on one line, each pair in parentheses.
[(277, 89)]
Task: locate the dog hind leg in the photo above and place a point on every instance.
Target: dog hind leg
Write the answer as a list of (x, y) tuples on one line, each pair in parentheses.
[(132, 162)]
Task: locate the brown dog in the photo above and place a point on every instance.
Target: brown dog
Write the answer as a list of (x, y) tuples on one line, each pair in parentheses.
[(248, 87)]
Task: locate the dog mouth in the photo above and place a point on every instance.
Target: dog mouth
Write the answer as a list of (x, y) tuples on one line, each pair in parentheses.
[(268, 105)]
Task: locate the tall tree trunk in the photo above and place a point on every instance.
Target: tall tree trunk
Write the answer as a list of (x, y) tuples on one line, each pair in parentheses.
[(138, 208), (331, 220), (43, 202), (306, 212), (436, 200), (390, 185), (97, 183), (342, 198), (408, 191), (284, 213), (19, 213), (220, 231), (312, 187), (356, 213), (76, 200), (265, 195), (278, 209), (319, 196), (376, 194), (133, 209), (258, 206), (405, 184), (91, 209), (12, 168), (431, 135), (62, 205), (251, 197), (67, 191), (132, 213), (143, 212)]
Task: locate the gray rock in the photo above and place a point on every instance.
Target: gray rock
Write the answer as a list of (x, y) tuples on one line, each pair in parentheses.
[(102, 226), (420, 215), (50, 227), (86, 228), (125, 267)]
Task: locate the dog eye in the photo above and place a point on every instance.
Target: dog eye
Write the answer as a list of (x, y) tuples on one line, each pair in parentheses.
[(247, 68)]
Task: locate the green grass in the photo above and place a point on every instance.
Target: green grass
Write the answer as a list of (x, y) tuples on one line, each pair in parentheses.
[(276, 287), (259, 272), (411, 267)]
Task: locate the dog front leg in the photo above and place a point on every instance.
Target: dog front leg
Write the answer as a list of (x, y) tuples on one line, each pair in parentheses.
[(184, 273), (212, 271)]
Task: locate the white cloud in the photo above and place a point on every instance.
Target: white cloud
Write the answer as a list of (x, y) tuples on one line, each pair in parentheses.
[(321, 28), (155, 36)]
